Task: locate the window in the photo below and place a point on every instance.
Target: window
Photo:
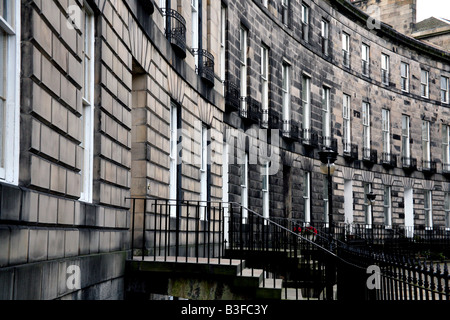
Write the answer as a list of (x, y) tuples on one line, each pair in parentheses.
[(173, 183), (286, 88), (424, 83), (365, 57), (428, 209), (264, 2), (447, 210), (265, 84), (285, 8), (406, 153), (324, 34), (445, 90), (307, 196), (265, 190), (426, 156), (346, 49), (87, 143), (306, 101), (445, 148), (204, 172), (305, 22), (9, 90), (325, 201), (244, 187), (387, 206), (346, 123), (195, 25), (386, 136), (326, 117), (404, 70), (366, 130), (367, 205), (243, 68), (385, 69), (223, 21)]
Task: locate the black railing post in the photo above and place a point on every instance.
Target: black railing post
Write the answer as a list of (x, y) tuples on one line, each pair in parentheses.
[(132, 228), (143, 230), (187, 229)]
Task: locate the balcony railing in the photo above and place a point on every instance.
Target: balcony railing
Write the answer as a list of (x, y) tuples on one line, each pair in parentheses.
[(370, 155), (350, 150), (446, 168), (329, 142), (409, 163), (365, 68), (291, 130), (274, 120), (428, 166), (388, 160), (385, 76), (232, 96), (346, 58), (175, 31), (205, 65), (310, 138), (250, 109)]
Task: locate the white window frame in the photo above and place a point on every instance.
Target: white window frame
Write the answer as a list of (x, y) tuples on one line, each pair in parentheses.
[(266, 191), (243, 39), (244, 187), (325, 34), (424, 83), (265, 83), (445, 88), (87, 144), (346, 122), (366, 128), (346, 49), (426, 147), (387, 206), (385, 67), (326, 203), (446, 147), (306, 101), (223, 21), (386, 132), (406, 147), (404, 74), (194, 24), (447, 210), (265, 3), (367, 206), (204, 172), (307, 196), (173, 170), (428, 209), (365, 57), (305, 22), (9, 164), (286, 90), (326, 116)]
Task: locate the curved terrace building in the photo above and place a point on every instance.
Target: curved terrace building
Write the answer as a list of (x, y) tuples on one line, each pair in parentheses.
[(119, 114)]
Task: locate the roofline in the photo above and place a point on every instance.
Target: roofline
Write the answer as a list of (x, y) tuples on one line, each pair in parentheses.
[(351, 11)]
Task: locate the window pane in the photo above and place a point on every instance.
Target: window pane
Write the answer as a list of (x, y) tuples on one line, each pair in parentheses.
[(6, 10)]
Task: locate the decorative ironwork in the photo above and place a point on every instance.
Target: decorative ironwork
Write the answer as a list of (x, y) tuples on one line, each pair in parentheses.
[(175, 31), (409, 163), (350, 150), (330, 142), (205, 65), (428, 166), (388, 160), (232, 96), (370, 155), (310, 138), (250, 109), (291, 130)]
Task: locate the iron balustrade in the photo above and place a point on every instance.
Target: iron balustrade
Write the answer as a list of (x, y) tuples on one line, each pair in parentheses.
[(409, 163), (175, 31), (250, 109), (329, 142), (428, 166), (291, 130), (446, 168), (370, 155), (232, 96), (205, 65), (389, 160), (350, 150), (310, 137)]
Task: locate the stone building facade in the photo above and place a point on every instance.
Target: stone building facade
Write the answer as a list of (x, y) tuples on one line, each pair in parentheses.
[(109, 100)]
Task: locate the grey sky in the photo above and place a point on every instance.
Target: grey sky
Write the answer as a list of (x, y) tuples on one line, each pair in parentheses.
[(433, 8)]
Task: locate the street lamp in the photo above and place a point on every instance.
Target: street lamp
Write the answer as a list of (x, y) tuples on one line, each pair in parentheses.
[(371, 198), (328, 158)]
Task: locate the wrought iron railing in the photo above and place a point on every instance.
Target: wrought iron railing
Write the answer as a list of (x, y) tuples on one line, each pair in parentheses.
[(310, 137), (232, 96), (409, 163), (389, 160), (250, 109), (329, 142), (350, 150), (205, 65), (370, 155), (175, 30), (428, 166), (291, 130)]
